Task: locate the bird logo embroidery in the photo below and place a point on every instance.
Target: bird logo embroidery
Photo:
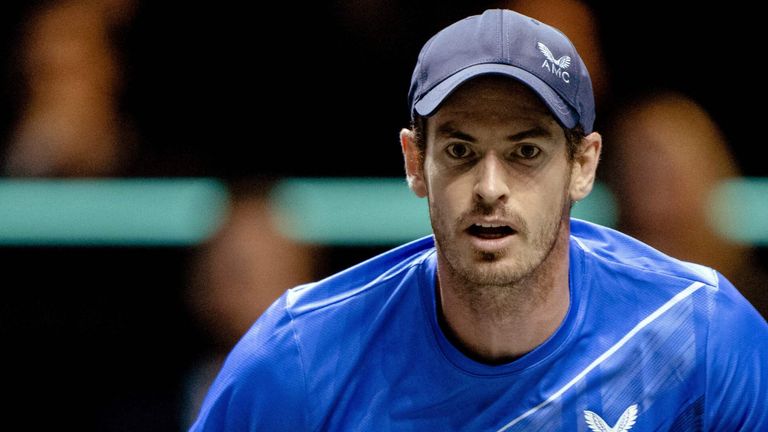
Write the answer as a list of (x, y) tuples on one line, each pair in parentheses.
[(625, 423), (562, 62)]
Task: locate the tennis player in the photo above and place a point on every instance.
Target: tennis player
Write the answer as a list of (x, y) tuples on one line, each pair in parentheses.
[(513, 316)]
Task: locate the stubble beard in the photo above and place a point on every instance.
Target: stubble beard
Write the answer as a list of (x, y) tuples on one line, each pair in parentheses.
[(498, 283)]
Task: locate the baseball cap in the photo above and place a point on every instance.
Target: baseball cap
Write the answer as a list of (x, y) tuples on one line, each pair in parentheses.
[(511, 44)]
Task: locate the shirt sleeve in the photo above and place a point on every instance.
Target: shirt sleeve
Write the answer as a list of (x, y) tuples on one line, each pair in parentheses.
[(261, 386), (737, 365)]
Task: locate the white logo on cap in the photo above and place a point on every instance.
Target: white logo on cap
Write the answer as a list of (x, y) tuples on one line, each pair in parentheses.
[(556, 67)]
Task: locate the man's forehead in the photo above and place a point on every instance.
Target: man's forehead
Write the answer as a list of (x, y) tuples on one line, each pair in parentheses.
[(519, 130)]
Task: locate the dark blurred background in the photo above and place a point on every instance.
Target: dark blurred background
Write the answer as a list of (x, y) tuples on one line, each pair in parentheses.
[(104, 338)]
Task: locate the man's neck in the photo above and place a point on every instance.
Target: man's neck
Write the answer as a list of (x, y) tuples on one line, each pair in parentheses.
[(496, 325)]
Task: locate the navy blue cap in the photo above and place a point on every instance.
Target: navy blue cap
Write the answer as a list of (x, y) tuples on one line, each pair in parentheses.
[(507, 43)]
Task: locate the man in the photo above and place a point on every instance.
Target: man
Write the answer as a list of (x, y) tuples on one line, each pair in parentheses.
[(512, 317)]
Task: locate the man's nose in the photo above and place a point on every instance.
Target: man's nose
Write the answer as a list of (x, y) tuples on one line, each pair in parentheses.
[(491, 181)]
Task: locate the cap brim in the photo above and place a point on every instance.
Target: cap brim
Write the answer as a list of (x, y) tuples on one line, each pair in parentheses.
[(428, 103)]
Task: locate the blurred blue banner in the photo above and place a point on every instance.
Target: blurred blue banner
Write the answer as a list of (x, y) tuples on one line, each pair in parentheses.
[(330, 211), (152, 212)]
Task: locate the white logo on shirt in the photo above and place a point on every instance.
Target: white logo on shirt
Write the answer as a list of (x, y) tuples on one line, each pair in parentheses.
[(556, 67), (625, 423)]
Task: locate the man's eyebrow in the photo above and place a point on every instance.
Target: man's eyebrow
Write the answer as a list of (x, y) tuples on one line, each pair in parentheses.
[(448, 130), (536, 132)]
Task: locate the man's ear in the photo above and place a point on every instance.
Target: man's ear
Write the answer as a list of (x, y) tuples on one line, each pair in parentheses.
[(584, 166), (413, 163)]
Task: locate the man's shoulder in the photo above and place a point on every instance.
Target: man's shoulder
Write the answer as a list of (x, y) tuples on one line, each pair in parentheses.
[(303, 329), (367, 278), (626, 268), (632, 257), (334, 306)]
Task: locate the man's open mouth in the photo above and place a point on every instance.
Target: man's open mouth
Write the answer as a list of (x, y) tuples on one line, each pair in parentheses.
[(490, 231)]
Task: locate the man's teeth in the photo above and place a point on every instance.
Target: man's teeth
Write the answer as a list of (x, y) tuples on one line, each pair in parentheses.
[(484, 225)]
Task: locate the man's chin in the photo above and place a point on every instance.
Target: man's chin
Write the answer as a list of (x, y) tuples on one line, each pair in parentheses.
[(480, 266), (488, 257), (487, 270)]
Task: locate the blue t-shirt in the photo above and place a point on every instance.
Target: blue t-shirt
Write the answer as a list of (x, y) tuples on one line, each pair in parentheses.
[(649, 343)]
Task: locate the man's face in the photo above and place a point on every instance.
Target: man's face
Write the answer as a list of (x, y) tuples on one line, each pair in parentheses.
[(497, 178)]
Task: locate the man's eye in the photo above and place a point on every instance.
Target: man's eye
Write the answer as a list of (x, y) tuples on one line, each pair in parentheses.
[(458, 150), (527, 151)]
